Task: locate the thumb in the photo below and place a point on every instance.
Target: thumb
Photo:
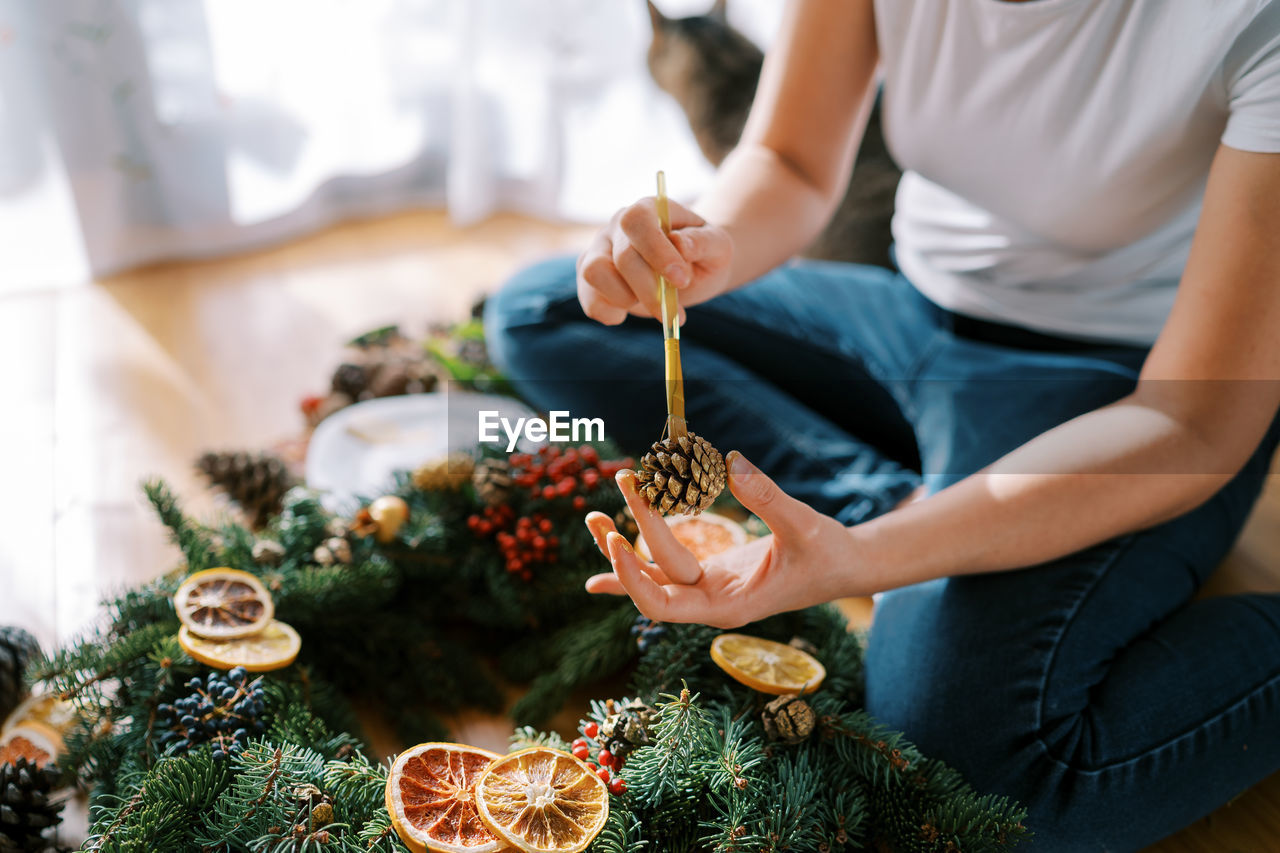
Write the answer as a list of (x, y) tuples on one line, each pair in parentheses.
[(761, 495), (699, 243)]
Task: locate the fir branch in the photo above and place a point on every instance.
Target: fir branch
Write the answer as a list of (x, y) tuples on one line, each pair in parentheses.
[(192, 539)]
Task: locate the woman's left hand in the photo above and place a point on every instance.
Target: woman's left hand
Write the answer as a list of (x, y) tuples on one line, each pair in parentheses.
[(808, 559)]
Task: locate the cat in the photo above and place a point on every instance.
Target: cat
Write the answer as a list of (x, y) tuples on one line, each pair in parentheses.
[(711, 69)]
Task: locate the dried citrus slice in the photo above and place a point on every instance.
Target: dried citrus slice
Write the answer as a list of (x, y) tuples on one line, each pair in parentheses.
[(44, 708), (431, 799), (767, 666), (275, 647), (704, 535), (35, 742), (221, 604), (543, 800)]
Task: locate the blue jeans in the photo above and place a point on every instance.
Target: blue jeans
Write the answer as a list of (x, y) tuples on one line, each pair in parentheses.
[(1093, 688)]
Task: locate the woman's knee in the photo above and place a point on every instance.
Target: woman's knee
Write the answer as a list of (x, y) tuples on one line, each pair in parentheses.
[(527, 303)]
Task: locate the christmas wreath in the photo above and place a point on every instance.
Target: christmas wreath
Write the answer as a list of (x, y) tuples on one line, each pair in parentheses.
[(210, 709)]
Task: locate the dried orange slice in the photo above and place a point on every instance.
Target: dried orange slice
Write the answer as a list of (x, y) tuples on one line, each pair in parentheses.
[(431, 799), (767, 666), (48, 710), (704, 535), (33, 741), (275, 647), (543, 800), (221, 604)]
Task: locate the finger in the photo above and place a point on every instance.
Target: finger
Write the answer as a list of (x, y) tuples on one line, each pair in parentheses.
[(701, 244), (607, 584), (650, 597), (639, 277), (661, 602), (600, 526), (603, 294), (782, 513), (675, 560), (644, 232)]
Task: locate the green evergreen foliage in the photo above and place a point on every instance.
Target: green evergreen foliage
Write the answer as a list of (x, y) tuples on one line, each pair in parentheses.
[(434, 621)]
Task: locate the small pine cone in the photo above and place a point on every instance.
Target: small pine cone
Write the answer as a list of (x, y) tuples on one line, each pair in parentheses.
[(351, 379), (683, 475), (445, 475), (26, 805), (268, 552), (256, 482), (788, 719), (17, 649), (492, 480)]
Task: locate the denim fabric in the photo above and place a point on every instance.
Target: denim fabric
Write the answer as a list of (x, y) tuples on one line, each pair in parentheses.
[(1092, 688)]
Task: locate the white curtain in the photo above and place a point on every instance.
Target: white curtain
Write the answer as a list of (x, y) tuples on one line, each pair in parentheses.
[(138, 130)]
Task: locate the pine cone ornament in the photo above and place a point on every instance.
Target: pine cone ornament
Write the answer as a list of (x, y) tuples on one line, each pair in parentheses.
[(256, 482), (626, 729), (17, 648), (684, 475), (788, 719), (351, 379), (492, 480), (26, 807), (445, 475)]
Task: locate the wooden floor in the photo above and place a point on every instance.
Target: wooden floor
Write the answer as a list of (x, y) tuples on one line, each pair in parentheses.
[(133, 376)]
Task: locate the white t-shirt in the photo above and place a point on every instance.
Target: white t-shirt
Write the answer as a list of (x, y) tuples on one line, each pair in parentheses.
[(1056, 151)]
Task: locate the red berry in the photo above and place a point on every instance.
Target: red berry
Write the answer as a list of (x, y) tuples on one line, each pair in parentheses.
[(526, 575), (589, 454), (591, 729), (618, 786), (603, 773), (579, 502), (548, 492), (591, 765), (581, 752), (605, 758), (553, 541), (545, 525), (540, 543), (577, 742)]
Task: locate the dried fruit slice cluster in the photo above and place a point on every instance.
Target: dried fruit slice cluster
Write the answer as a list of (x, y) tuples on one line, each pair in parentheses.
[(227, 621), (451, 798)]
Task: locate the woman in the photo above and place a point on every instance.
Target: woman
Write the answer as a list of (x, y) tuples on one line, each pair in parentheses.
[(1079, 353)]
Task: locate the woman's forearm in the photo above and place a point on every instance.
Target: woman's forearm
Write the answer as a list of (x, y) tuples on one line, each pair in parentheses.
[(1118, 469), (769, 209)]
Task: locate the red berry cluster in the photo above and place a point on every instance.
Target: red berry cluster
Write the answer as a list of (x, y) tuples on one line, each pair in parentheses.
[(605, 765), (555, 472), (531, 544)]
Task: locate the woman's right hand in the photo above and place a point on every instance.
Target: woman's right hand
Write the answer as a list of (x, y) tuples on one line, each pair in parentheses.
[(617, 274)]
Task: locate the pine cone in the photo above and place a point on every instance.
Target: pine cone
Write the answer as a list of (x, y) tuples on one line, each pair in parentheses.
[(627, 729), (492, 480), (256, 482), (445, 475), (25, 807), (683, 475), (788, 719), (351, 379), (17, 648)]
